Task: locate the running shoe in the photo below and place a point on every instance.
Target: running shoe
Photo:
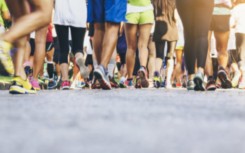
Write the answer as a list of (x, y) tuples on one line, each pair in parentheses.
[(190, 85), (198, 80), (34, 83), (163, 83), (65, 85), (156, 80), (80, 85), (242, 82), (235, 80), (211, 85), (52, 84), (20, 86), (87, 84), (28, 70), (101, 75), (127, 84), (83, 69), (113, 82), (95, 84), (225, 82), (6, 64), (184, 81), (168, 85), (141, 80), (178, 85), (122, 82)]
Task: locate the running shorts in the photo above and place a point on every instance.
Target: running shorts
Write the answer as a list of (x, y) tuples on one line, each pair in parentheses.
[(49, 46), (140, 17), (100, 11), (220, 23)]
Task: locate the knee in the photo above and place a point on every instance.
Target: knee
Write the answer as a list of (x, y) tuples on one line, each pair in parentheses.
[(222, 48), (223, 54), (46, 18), (142, 46), (131, 48)]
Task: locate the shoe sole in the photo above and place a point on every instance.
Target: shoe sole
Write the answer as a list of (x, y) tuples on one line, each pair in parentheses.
[(65, 88), (83, 68), (211, 88), (225, 83), (103, 84), (198, 84), (19, 90), (52, 88)]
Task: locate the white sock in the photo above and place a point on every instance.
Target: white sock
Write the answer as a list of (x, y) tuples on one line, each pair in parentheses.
[(111, 67)]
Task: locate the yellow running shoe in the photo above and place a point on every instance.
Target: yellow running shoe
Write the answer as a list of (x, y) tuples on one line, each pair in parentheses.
[(21, 86), (6, 64)]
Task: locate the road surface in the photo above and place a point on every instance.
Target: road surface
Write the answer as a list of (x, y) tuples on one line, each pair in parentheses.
[(123, 121)]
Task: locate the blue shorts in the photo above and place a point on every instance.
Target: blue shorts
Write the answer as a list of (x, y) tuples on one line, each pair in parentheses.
[(100, 11)]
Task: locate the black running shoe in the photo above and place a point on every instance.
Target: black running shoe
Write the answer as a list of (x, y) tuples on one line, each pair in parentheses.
[(211, 85), (198, 80), (113, 82), (225, 81), (28, 70), (52, 84)]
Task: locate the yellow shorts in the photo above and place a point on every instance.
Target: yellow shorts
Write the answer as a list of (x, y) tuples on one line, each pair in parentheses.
[(141, 17)]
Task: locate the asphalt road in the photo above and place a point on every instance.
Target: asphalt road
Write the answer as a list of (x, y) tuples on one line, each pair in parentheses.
[(123, 121)]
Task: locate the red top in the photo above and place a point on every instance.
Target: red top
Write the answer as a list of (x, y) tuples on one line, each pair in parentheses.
[(49, 34)]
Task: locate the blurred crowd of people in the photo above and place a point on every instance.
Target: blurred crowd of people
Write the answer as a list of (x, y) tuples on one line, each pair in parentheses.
[(102, 44)]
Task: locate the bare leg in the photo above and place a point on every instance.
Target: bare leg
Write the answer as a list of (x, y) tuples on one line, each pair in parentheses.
[(18, 9), (209, 64), (50, 55), (19, 57), (98, 41), (27, 23), (109, 42), (152, 57), (178, 72), (40, 51), (144, 35), (131, 36), (221, 43)]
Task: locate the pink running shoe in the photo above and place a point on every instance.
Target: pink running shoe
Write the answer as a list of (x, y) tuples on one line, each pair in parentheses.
[(65, 85), (34, 83)]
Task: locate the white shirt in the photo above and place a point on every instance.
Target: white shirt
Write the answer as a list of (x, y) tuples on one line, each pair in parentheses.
[(70, 13), (226, 2), (238, 18)]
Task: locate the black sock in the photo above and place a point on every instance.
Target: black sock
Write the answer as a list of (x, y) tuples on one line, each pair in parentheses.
[(50, 69), (210, 78), (129, 79)]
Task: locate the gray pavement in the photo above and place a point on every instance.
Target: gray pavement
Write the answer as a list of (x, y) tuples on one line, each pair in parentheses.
[(123, 121)]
